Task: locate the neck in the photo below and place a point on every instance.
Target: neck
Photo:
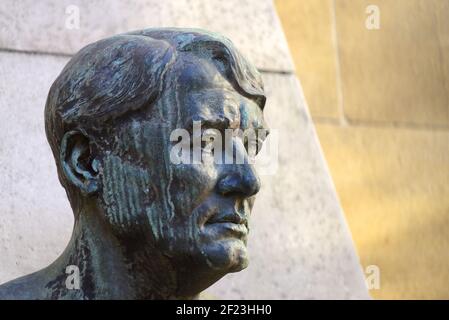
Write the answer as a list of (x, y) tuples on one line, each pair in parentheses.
[(109, 267)]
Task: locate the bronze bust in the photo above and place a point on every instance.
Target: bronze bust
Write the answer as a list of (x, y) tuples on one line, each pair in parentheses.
[(147, 226)]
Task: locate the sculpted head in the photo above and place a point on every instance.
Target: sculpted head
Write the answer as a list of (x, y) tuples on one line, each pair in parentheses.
[(109, 120)]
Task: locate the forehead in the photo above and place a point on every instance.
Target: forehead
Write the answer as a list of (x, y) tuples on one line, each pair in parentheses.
[(205, 94)]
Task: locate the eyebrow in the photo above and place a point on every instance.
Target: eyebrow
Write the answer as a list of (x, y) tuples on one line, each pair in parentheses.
[(216, 123)]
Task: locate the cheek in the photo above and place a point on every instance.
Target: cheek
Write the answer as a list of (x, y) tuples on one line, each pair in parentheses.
[(127, 196), (190, 189), (138, 203), (190, 185)]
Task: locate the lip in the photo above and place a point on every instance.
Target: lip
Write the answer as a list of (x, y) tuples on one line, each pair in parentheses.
[(232, 223), (231, 228), (229, 218)]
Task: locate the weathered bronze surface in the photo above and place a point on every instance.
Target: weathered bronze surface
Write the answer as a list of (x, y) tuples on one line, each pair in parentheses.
[(146, 227)]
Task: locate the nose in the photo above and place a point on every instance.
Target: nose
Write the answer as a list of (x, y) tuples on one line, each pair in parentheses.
[(241, 180)]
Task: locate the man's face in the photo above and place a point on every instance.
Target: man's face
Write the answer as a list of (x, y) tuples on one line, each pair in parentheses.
[(196, 214)]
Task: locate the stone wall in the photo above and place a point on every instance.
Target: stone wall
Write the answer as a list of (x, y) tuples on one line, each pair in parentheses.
[(380, 101), (300, 245)]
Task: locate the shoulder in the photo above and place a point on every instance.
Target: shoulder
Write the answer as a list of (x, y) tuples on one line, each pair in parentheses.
[(42, 285), (29, 287)]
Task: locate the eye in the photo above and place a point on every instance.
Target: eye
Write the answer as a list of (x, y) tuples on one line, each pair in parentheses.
[(208, 146), (211, 140)]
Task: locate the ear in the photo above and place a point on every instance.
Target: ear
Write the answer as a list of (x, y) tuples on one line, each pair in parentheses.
[(78, 163)]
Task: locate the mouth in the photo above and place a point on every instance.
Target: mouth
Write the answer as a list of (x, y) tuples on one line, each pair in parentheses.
[(233, 222), (234, 218)]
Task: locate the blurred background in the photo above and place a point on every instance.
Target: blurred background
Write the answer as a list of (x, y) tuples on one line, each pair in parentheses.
[(376, 78)]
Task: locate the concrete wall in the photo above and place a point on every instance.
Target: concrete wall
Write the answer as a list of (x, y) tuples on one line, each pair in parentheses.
[(380, 102), (300, 245)]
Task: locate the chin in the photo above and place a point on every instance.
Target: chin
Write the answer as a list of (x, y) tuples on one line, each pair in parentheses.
[(211, 263), (228, 255)]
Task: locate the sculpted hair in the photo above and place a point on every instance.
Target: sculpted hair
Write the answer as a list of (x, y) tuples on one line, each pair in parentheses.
[(111, 77)]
